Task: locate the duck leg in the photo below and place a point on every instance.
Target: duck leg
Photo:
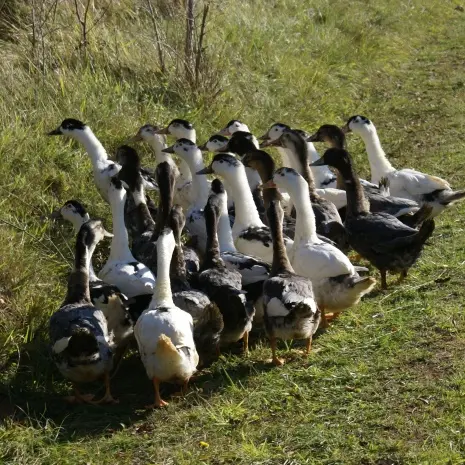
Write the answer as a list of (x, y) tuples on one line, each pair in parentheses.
[(323, 320), (274, 358), (308, 345), (332, 316), (159, 402), (402, 276), (79, 398), (183, 390), (246, 343), (107, 398), (383, 279)]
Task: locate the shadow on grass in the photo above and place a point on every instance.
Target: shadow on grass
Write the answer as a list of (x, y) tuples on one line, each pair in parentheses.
[(35, 389)]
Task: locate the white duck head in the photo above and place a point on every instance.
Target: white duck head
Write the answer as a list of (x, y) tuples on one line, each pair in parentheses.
[(180, 129), (360, 125), (148, 133), (70, 127), (274, 133), (74, 212), (216, 143), (232, 127)]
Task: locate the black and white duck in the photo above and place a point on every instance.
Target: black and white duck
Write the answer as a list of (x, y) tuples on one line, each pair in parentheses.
[(290, 308), (104, 168), (382, 239), (251, 236), (336, 282), (81, 345), (224, 285), (406, 183)]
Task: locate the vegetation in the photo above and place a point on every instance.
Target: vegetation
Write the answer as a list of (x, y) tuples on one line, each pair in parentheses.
[(386, 382)]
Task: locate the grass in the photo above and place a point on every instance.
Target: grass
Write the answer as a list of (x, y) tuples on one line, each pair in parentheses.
[(387, 384)]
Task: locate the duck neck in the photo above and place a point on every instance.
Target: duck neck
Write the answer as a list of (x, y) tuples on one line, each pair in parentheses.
[(163, 295), (356, 202), (78, 281), (224, 227), (246, 211), (303, 167), (200, 185), (280, 261), (379, 164), (178, 265), (320, 173), (120, 244), (212, 253), (144, 219), (94, 148), (305, 226)]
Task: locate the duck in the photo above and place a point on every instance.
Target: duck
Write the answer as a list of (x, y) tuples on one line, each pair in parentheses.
[(323, 176), (182, 129), (104, 168), (233, 126), (80, 342), (337, 284), (122, 269), (290, 309), (139, 209), (406, 183), (120, 312), (378, 195), (223, 285), (239, 144), (251, 236), (191, 154), (382, 239), (150, 134), (208, 320), (262, 162), (164, 332), (328, 220)]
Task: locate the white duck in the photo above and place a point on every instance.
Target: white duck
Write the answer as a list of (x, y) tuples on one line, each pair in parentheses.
[(122, 269), (164, 332), (324, 177), (336, 283), (406, 183), (104, 168), (200, 187), (151, 135), (182, 129), (233, 126), (251, 236)]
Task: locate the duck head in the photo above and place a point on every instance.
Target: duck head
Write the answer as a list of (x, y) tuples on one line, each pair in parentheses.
[(241, 142), (261, 162), (69, 127), (222, 164), (216, 143), (128, 157), (92, 232), (358, 124), (274, 133), (287, 179), (329, 133), (148, 133), (179, 129), (232, 127), (72, 211), (335, 157), (184, 149)]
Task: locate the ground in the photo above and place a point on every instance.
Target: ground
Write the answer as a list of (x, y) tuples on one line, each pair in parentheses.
[(385, 384)]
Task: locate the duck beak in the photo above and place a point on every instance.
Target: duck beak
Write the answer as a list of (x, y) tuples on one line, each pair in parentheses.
[(55, 132), (206, 170), (163, 131), (55, 215), (345, 129), (264, 137), (319, 162), (271, 143), (107, 234), (224, 132), (314, 138), (169, 149), (133, 139), (203, 147), (268, 185)]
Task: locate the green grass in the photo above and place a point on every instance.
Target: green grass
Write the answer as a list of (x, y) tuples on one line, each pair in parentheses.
[(387, 385)]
